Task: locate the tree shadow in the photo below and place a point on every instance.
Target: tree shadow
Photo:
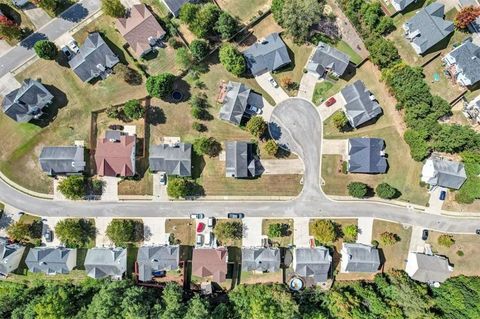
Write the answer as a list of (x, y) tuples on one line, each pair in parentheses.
[(181, 86), (60, 100), (349, 73), (198, 165), (30, 41), (75, 14), (156, 116), (11, 13)]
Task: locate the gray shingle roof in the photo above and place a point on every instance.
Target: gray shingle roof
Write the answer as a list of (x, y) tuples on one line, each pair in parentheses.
[(94, 59), (62, 160), (360, 258), (313, 262), (156, 258), (174, 160), (447, 173), (428, 27), (428, 268), (10, 257), (51, 260), (106, 262), (240, 162), (261, 259), (267, 55), (326, 57), (235, 102), (402, 4), (26, 102), (359, 107), (366, 155), (467, 61), (174, 5)]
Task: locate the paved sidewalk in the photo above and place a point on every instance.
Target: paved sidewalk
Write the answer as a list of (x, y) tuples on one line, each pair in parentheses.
[(278, 94), (307, 86), (37, 15), (252, 232), (301, 232), (365, 227), (154, 231), (282, 166), (101, 239)]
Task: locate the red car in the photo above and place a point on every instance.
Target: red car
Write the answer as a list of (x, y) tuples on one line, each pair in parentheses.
[(200, 227), (330, 102)]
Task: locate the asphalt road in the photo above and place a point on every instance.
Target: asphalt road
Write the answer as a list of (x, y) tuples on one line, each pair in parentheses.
[(299, 128), (53, 30)]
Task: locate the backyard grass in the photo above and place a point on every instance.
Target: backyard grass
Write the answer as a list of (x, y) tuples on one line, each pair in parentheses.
[(445, 87), (159, 61), (261, 30), (325, 89), (463, 265), (394, 256), (132, 252), (228, 242), (250, 277), (182, 229), (281, 241), (158, 7), (345, 48), (244, 10)]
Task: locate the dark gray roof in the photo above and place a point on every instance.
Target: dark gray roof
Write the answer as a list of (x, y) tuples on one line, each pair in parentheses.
[(447, 173), (466, 3), (51, 260), (156, 258), (359, 107), (428, 27), (326, 57), (429, 269), (62, 159), (313, 262), (402, 4), (240, 162), (174, 160), (106, 262), (27, 102), (235, 102), (365, 155), (94, 58), (174, 5), (10, 256), (261, 259), (360, 258), (467, 60), (267, 55)]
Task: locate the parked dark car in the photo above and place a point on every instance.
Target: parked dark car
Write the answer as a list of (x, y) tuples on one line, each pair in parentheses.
[(477, 231), (116, 127), (443, 194), (425, 234), (236, 215)]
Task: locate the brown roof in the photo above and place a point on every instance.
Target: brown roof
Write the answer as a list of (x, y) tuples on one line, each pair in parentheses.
[(139, 27), (208, 262), (115, 157)]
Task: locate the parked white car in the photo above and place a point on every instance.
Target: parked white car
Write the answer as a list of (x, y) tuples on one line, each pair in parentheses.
[(254, 109), (272, 81), (72, 45)]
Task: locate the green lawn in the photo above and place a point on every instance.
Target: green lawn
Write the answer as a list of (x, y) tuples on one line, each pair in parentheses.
[(345, 48), (228, 242), (283, 241), (158, 7), (327, 88), (244, 10), (440, 87), (396, 254), (182, 230)]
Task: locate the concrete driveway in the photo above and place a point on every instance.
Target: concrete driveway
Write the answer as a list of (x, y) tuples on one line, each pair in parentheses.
[(434, 202), (301, 232), (252, 232), (326, 111), (267, 110), (307, 86), (10, 215), (110, 190), (159, 191), (365, 228), (49, 223), (154, 231), (417, 244), (37, 15), (277, 94), (8, 83), (101, 239), (282, 166), (335, 147)]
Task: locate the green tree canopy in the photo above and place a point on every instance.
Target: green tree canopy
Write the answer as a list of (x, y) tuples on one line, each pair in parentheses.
[(357, 189), (257, 126), (350, 233), (226, 25), (133, 109), (229, 230), (121, 231), (19, 231), (298, 16), (324, 231), (161, 85), (45, 49), (113, 8), (73, 187), (388, 238), (199, 49), (385, 191), (75, 233), (232, 59), (178, 188), (383, 52), (206, 146), (340, 120), (446, 240), (271, 147)]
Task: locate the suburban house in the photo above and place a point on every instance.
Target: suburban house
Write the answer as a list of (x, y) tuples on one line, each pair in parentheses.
[(326, 58), (174, 6), (359, 258), (400, 5), (172, 159), (106, 262), (438, 171), (210, 263), (266, 55), (430, 269), (115, 154), (261, 259), (366, 155), (20, 3), (140, 29), (472, 110), (27, 102), (312, 263), (51, 261), (95, 59), (240, 160), (463, 63), (361, 105), (428, 27), (57, 160), (152, 260), (10, 257), (238, 98)]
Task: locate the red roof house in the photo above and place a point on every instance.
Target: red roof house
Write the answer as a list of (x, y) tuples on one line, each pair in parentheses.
[(115, 156), (210, 262)]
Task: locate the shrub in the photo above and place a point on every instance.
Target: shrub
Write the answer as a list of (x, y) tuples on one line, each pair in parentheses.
[(350, 233), (206, 146), (45, 49), (386, 191), (278, 230), (75, 233), (256, 126), (388, 239), (10, 31), (271, 147), (357, 189), (183, 58), (161, 85), (73, 187), (199, 127), (113, 8), (188, 12), (178, 188), (232, 59), (199, 49), (466, 16), (114, 112), (133, 109), (200, 114), (460, 253), (446, 240), (121, 231), (129, 75), (298, 25), (340, 120), (19, 231), (230, 230), (226, 25), (174, 43), (383, 52), (324, 231)]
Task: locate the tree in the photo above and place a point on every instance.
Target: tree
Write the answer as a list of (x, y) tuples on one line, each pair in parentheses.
[(197, 308), (446, 240), (324, 231), (205, 20), (456, 138), (113, 8), (350, 233), (466, 16), (48, 5), (271, 147), (183, 58), (200, 113), (188, 12), (129, 75), (206, 146), (172, 299), (340, 120), (357, 189), (278, 230), (75, 233), (257, 126), (133, 109), (199, 127), (226, 25), (72, 187), (178, 188), (199, 49), (45, 49), (388, 238), (229, 230), (385, 191), (298, 16), (383, 52), (161, 85), (232, 59), (19, 231), (419, 147), (277, 9), (121, 231), (10, 32)]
